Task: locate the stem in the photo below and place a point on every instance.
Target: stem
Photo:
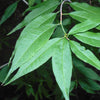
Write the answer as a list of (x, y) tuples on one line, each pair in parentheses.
[(61, 14), (61, 9), (3, 65), (25, 2), (63, 29)]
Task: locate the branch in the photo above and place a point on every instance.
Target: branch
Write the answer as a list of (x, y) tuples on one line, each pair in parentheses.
[(25, 2), (61, 17), (3, 65), (61, 9)]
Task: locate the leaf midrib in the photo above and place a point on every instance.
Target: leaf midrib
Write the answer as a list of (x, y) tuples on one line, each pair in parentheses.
[(63, 65), (97, 38), (40, 13), (42, 53), (85, 56), (31, 45), (83, 8)]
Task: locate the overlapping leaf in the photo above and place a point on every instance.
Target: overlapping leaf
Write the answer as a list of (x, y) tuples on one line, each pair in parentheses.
[(62, 67), (85, 55), (89, 38), (82, 27), (85, 71), (81, 15), (89, 86), (86, 77), (32, 38), (34, 48), (62, 63), (42, 9), (3, 72), (85, 7), (86, 14), (37, 60)]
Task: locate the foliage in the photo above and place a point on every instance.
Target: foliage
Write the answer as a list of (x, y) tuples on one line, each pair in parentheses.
[(44, 37), (8, 12)]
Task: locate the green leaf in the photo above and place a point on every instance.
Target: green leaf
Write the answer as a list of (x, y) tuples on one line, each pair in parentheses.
[(58, 32), (8, 12), (38, 1), (31, 8), (37, 60), (44, 8), (98, 27), (82, 27), (3, 72), (85, 7), (89, 73), (73, 84), (85, 55), (29, 90), (85, 11), (27, 45), (66, 22), (31, 2), (85, 71), (89, 38), (86, 76), (62, 66), (81, 16), (89, 86)]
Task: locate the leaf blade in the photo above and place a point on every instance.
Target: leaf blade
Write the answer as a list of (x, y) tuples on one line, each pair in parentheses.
[(8, 12), (82, 27), (85, 55), (42, 9), (83, 10), (85, 71), (32, 39), (89, 86), (89, 38), (85, 7), (62, 67), (37, 60)]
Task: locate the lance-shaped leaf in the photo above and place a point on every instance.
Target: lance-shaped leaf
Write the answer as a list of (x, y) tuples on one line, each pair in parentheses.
[(3, 71), (31, 43), (62, 66), (85, 11), (32, 39), (89, 38), (85, 71), (37, 60), (8, 12), (82, 27), (45, 8), (85, 7), (88, 85), (81, 16), (85, 55)]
